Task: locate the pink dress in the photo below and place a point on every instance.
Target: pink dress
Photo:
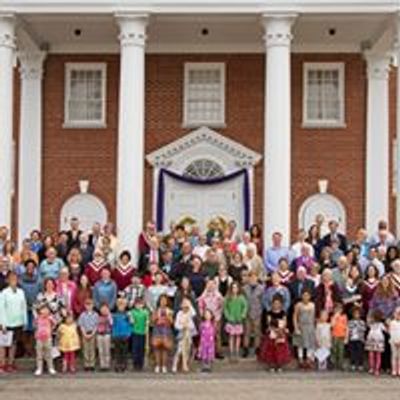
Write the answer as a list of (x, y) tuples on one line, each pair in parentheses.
[(207, 341)]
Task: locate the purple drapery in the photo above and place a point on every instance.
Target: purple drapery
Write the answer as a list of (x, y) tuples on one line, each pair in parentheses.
[(213, 181)]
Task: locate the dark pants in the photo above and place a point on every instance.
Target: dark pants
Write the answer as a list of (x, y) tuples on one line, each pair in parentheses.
[(356, 349), (138, 350), (120, 352)]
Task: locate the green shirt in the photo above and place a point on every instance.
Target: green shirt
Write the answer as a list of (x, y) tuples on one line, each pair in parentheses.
[(235, 309), (140, 320)]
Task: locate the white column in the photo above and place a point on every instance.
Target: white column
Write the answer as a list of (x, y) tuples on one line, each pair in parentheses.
[(130, 178), (30, 143), (377, 158), (7, 48), (277, 136)]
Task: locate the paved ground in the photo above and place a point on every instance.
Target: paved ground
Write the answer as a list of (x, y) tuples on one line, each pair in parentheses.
[(251, 385)]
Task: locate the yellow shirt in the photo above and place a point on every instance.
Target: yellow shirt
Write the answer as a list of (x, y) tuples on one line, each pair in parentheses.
[(68, 338)]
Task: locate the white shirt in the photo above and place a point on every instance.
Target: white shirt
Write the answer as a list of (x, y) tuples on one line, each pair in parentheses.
[(394, 331), (296, 249)]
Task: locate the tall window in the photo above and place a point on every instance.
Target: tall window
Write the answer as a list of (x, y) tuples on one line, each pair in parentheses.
[(204, 96), (85, 95), (323, 88)]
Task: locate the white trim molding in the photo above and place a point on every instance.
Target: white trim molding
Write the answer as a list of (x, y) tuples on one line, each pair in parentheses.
[(241, 155)]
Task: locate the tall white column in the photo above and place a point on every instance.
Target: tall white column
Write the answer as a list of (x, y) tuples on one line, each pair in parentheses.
[(130, 178), (7, 49), (397, 50), (377, 159), (30, 143), (277, 136)]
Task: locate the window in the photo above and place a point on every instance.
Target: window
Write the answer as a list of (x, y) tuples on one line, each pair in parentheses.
[(203, 169), (204, 96), (85, 95), (323, 102)]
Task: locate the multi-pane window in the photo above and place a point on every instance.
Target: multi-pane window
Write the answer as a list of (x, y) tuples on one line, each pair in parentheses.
[(85, 94), (204, 97), (323, 103), (204, 169)]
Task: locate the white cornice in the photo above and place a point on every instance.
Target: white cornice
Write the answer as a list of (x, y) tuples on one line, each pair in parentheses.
[(187, 6), (242, 155)]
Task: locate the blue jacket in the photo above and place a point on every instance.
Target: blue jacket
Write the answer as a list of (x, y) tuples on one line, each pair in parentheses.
[(121, 327), (105, 292), (31, 287)]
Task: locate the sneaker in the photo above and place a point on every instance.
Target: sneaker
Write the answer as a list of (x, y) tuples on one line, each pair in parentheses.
[(39, 372), (360, 369), (174, 369), (52, 371), (157, 369), (164, 370), (353, 368), (245, 353)]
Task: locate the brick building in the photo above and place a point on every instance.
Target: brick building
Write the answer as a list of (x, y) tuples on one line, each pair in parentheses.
[(262, 111)]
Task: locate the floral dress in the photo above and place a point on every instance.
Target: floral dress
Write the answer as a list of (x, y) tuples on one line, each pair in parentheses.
[(207, 341)]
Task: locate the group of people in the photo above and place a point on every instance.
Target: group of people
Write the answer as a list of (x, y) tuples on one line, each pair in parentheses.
[(324, 302)]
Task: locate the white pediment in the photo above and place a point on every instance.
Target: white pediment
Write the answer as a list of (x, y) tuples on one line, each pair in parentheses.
[(203, 143)]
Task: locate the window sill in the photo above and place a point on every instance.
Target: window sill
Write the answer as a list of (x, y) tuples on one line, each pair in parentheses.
[(77, 125), (193, 125), (322, 126)]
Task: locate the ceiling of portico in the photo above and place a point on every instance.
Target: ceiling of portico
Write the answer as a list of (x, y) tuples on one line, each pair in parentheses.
[(185, 33)]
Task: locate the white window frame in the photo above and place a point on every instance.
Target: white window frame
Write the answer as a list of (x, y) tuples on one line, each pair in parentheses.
[(340, 67), (189, 66), (86, 66)]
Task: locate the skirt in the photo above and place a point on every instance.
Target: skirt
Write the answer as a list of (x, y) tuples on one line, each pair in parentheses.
[(274, 352), (234, 329)]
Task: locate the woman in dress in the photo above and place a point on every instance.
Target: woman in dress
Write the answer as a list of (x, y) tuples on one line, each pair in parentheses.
[(368, 287)]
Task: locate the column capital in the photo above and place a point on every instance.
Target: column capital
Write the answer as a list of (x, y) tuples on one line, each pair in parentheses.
[(7, 31), (31, 64), (278, 29), (378, 66), (132, 29)]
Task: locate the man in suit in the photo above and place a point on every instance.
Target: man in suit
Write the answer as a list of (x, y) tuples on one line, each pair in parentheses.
[(95, 235), (301, 282), (73, 234), (334, 235)]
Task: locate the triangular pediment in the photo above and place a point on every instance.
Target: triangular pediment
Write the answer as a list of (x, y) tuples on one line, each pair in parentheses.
[(205, 140)]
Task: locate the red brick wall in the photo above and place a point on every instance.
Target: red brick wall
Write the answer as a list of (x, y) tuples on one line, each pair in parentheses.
[(244, 107), (73, 154), (335, 154)]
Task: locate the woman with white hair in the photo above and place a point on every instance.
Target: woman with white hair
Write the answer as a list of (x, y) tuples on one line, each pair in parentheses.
[(66, 288), (253, 261)]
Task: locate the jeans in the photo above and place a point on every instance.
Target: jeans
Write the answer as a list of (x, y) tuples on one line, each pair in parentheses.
[(356, 349), (120, 352), (138, 350)]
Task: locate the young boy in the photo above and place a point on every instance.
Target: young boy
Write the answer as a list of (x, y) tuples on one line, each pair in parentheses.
[(357, 329), (253, 291), (87, 323), (121, 332), (139, 318), (339, 335)]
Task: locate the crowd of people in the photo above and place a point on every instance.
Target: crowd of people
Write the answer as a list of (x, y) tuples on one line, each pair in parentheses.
[(325, 302)]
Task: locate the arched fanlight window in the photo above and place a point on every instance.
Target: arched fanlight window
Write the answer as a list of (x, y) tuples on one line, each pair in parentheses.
[(204, 168)]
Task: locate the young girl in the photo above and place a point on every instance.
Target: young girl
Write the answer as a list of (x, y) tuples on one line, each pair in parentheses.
[(304, 328), (375, 344), (357, 330), (44, 324), (235, 313), (207, 341), (394, 331), (275, 348), (186, 329), (162, 334), (339, 335), (324, 340), (68, 343)]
